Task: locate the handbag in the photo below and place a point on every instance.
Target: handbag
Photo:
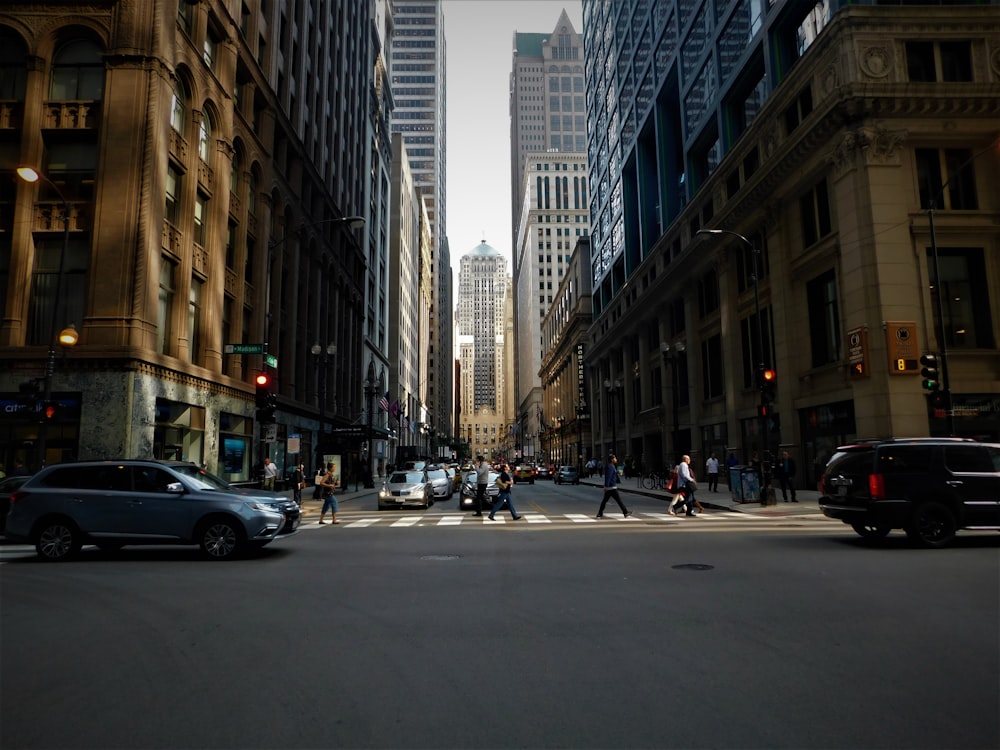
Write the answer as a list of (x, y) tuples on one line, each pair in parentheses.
[(691, 485), (319, 478)]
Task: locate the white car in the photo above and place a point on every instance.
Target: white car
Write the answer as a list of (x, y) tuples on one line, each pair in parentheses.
[(406, 488), (443, 484)]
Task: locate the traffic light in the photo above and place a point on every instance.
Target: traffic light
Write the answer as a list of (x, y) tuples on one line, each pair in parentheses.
[(931, 375), (267, 401), (768, 386), (50, 411)]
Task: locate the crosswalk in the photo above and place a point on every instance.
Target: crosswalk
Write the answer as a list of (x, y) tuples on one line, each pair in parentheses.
[(700, 522), (710, 522)]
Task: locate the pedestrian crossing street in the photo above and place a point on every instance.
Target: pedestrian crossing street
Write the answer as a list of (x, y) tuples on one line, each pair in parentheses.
[(702, 522)]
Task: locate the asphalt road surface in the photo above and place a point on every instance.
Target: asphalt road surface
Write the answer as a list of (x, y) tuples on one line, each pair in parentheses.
[(618, 634)]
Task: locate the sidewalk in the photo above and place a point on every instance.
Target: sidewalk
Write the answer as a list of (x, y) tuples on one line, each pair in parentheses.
[(808, 500)]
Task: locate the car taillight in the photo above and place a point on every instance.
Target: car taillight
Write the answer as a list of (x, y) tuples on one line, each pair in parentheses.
[(822, 485), (17, 496), (876, 486)]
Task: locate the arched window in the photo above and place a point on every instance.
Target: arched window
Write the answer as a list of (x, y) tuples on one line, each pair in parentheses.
[(13, 70), (178, 107), (252, 195), (235, 173), (205, 138), (77, 72)]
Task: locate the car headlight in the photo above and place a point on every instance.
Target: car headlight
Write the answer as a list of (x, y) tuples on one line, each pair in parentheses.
[(383, 492), (261, 506)]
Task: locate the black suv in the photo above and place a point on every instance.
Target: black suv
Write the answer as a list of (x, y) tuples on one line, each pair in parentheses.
[(928, 487)]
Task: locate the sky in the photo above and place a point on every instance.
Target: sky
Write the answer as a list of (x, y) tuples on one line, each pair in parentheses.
[(479, 36)]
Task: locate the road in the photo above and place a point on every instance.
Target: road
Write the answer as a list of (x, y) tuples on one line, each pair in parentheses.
[(611, 634)]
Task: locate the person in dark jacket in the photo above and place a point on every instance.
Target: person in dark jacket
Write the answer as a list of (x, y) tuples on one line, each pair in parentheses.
[(784, 472), (611, 480)]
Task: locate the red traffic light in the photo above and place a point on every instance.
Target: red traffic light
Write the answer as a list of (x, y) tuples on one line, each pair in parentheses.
[(50, 411), (263, 380), (769, 376)]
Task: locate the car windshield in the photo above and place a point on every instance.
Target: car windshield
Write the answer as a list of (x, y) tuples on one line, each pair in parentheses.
[(437, 474), (407, 477), (201, 478)]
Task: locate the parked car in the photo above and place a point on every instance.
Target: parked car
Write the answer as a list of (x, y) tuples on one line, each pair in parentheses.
[(441, 481), (117, 503), (567, 475), (929, 487), (524, 473), (406, 488), (7, 487), (467, 497)]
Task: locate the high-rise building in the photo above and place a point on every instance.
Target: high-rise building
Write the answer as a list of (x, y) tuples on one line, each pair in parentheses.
[(418, 56), (548, 105), (201, 168), (552, 218), (549, 189), (482, 312), (807, 187)]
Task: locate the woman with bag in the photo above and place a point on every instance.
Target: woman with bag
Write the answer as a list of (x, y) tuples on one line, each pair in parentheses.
[(329, 486), (685, 479)]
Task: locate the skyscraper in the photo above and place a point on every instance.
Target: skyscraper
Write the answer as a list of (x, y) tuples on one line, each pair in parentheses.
[(418, 67)]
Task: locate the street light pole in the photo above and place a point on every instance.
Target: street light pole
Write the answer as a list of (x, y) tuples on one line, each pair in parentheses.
[(613, 388), (763, 425), (322, 359), (672, 360), (68, 336), (370, 389), (581, 410)]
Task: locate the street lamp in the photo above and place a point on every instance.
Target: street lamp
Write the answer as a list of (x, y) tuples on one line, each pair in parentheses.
[(581, 411), (763, 426), (66, 338), (673, 360), (322, 358), (613, 388), (371, 388)]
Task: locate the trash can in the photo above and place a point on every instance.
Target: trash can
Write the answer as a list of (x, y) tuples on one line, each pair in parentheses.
[(744, 484)]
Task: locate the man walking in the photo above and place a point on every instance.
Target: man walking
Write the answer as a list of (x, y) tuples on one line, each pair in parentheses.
[(712, 473), (270, 474), (785, 474), (611, 480), (504, 482), (482, 480), (686, 483)]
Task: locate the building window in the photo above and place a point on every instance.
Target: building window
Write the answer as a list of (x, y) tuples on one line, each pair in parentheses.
[(824, 321), (200, 218), (815, 210), (959, 194), (77, 72), (755, 355), (166, 302), (194, 318), (13, 72), (178, 107), (173, 195), (205, 138), (930, 62), (43, 304), (965, 297), (708, 293), (185, 15)]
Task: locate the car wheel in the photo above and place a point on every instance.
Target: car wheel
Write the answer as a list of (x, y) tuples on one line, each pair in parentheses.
[(869, 531), (58, 540), (221, 539), (932, 525)]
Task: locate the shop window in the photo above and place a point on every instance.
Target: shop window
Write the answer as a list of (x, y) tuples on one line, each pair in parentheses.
[(824, 319)]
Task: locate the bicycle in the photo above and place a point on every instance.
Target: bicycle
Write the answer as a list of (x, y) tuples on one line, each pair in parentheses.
[(653, 481)]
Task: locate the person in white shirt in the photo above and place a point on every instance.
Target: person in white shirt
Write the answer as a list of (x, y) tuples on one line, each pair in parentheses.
[(712, 473), (270, 474)]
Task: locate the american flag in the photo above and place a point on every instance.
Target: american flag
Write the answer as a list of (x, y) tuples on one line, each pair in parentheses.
[(384, 402)]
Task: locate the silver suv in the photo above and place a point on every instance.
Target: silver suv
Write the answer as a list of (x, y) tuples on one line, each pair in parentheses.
[(114, 503)]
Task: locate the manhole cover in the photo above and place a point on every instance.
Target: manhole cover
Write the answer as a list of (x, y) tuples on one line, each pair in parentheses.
[(692, 566), (439, 557)]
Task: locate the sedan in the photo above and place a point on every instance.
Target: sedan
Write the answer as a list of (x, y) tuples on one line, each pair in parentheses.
[(567, 475), (442, 482), (543, 472), (410, 488), (524, 473), (467, 498)]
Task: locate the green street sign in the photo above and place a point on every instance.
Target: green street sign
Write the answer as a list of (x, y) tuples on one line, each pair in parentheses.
[(270, 360), (243, 349)]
